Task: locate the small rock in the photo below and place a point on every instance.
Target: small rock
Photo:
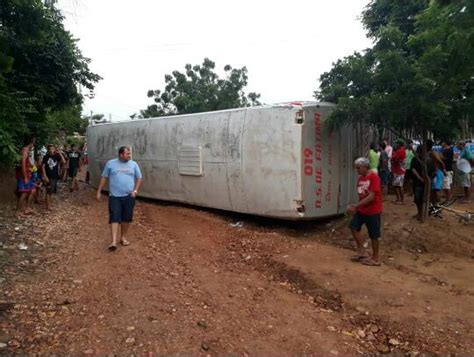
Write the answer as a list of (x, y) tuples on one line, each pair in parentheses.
[(14, 343), (202, 323), (65, 301), (130, 340), (361, 333), (3, 345), (334, 352), (374, 329), (300, 292), (332, 328), (89, 352), (130, 328), (77, 281), (205, 346), (394, 342), (383, 348)]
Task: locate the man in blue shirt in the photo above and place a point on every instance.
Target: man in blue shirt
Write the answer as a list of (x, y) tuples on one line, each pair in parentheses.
[(125, 179)]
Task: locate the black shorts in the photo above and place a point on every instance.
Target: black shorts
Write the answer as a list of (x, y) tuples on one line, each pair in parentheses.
[(52, 187), (72, 172), (121, 209), (418, 193), (372, 222)]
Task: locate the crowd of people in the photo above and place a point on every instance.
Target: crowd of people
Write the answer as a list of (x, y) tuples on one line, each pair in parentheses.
[(38, 176), (398, 166), (402, 165), (39, 173)]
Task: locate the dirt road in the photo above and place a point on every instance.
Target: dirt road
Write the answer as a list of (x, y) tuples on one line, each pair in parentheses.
[(191, 283)]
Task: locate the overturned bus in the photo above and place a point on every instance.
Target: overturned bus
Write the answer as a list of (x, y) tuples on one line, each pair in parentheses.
[(277, 161)]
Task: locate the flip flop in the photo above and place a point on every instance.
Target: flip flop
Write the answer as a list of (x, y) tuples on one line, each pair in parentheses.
[(112, 247), (124, 242), (370, 262), (359, 258)]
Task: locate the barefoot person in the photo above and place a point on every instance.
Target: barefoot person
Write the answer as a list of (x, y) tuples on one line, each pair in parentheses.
[(51, 174), (367, 211), (125, 179), (25, 185)]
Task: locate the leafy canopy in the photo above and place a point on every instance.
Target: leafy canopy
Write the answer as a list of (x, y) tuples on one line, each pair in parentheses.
[(417, 76), (41, 68), (199, 89)]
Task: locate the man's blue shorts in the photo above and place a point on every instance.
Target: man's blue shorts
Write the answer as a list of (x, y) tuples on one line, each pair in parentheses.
[(121, 209), (373, 223), (22, 187)]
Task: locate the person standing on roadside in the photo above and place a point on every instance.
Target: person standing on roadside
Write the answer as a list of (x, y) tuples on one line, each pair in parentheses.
[(50, 172), (398, 170), (25, 184), (374, 158), (389, 151), (75, 165), (125, 180), (448, 159), (464, 168), (418, 180), (367, 211), (384, 171)]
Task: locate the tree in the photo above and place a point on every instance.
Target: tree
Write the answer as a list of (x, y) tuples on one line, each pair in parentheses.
[(200, 89), (418, 75), (41, 68)]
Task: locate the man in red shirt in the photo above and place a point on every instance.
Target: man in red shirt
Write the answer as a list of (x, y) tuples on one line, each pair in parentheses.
[(398, 169), (367, 211)]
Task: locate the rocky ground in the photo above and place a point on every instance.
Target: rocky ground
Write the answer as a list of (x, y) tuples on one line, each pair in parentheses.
[(195, 282)]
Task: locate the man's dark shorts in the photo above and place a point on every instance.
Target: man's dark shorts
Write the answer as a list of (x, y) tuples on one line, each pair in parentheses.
[(72, 171), (121, 209), (372, 222), (418, 193), (52, 187), (384, 178)]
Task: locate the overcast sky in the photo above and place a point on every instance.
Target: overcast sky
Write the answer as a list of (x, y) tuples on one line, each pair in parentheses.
[(285, 45)]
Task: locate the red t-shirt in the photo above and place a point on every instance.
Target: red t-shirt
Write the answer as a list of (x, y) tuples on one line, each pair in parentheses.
[(398, 159), (365, 185)]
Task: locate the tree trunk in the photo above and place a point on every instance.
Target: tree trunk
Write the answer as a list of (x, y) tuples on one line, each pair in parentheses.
[(426, 196)]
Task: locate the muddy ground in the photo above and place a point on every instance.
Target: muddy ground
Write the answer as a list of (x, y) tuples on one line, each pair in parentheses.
[(191, 283)]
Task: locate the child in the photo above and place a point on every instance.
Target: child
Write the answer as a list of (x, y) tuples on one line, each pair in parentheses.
[(437, 186), (38, 190)]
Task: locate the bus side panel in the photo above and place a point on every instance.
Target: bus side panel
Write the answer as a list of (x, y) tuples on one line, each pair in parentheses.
[(271, 161)]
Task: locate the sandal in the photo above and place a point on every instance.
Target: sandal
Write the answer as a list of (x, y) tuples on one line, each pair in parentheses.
[(124, 242), (112, 247), (370, 262)]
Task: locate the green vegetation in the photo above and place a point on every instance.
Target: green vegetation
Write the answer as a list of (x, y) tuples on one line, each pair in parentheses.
[(41, 69), (418, 76), (200, 89)]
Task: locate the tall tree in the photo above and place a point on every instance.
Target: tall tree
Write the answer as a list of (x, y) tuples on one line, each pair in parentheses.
[(41, 68), (418, 74), (200, 89)]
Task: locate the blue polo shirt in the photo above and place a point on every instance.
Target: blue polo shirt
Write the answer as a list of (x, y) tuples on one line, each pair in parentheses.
[(121, 175)]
